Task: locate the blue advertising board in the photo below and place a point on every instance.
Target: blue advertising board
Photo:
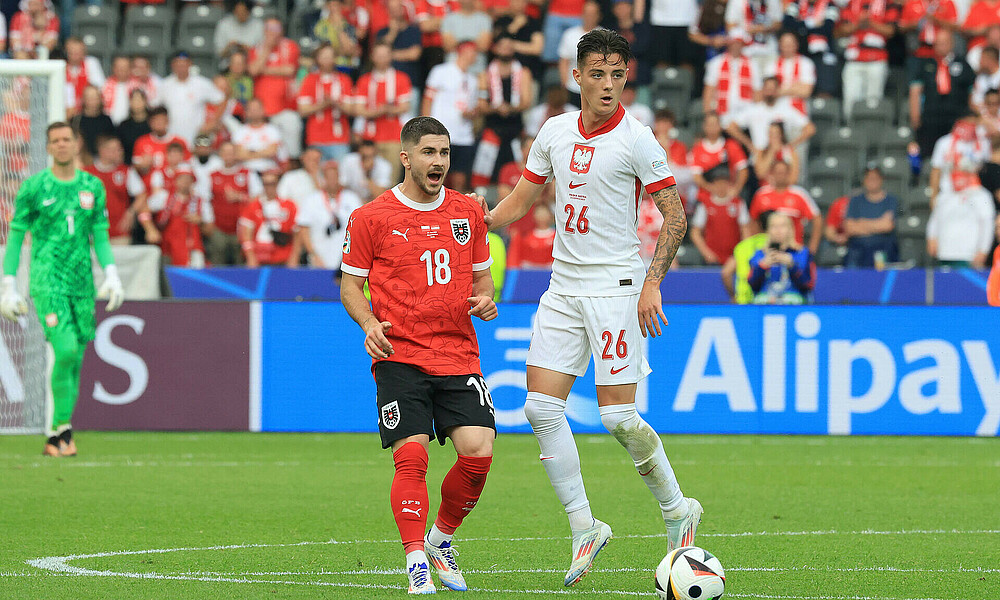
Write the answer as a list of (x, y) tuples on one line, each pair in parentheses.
[(717, 369)]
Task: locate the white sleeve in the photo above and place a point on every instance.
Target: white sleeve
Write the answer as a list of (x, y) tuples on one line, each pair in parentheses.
[(95, 74), (433, 78), (756, 79), (538, 162), (382, 172), (807, 74), (771, 70), (736, 13), (254, 186), (712, 69), (567, 44), (212, 94), (133, 183), (934, 223), (207, 212), (743, 217), (304, 216), (987, 218), (285, 184), (700, 217), (649, 161), (938, 156)]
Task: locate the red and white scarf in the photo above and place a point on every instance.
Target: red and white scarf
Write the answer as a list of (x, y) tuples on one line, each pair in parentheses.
[(943, 77), (496, 84), (336, 92), (798, 104), (813, 14), (372, 98), (77, 79), (745, 82)]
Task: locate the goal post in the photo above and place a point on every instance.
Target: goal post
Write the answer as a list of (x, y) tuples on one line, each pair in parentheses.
[(32, 95)]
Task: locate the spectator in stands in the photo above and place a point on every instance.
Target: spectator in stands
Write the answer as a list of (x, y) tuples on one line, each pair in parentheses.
[(940, 95), (712, 150), (3, 36), (963, 146), (325, 101), (988, 77), (867, 25), (238, 31), (510, 173), (927, 19), (870, 223), (526, 31), (833, 231), (185, 96), (15, 139), (796, 73), (137, 123), (332, 28), (382, 96), (720, 222), (467, 24), (989, 176), (556, 103), (973, 56), (143, 78), (258, 142), (735, 272), (665, 132), (322, 219), (961, 227), (150, 151), (812, 22), (230, 188), (758, 117), (731, 80), (450, 97), (267, 229), (640, 111), (982, 15), (181, 220), (365, 172), (760, 20), (404, 38), (81, 71), (993, 283), (560, 17), (989, 114), (221, 117), (637, 36), (204, 162), (533, 249), (91, 122), (299, 184), (34, 30), (160, 181), (122, 184), (777, 150), (567, 49), (784, 272), (273, 64), (669, 22), (781, 195), (708, 33), (116, 90), (505, 92), (430, 14)]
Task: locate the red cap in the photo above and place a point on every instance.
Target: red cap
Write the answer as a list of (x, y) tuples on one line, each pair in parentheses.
[(467, 44)]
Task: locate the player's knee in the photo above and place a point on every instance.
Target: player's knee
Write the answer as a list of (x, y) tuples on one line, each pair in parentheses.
[(620, 418), (543, 412)]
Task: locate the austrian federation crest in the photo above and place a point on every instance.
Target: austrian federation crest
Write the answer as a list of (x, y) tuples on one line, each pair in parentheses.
[(390, 415), (461, 230)]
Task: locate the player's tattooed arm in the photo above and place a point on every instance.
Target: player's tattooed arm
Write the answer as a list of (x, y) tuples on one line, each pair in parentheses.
[(671, 234)]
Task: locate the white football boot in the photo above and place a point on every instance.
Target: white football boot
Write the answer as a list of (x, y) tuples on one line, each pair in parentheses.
[(586, 545), (680, 532), (420, 579), (443, 559)]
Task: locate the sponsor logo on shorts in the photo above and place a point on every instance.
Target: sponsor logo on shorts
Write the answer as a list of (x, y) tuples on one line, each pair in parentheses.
[(51, 319), (390, 415), (461, 230), (86, 200)]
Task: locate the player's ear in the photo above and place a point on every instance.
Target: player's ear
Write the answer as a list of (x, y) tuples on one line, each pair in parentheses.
[(576, 75), (404, 158)]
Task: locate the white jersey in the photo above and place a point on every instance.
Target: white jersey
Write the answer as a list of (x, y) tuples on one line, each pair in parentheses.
[(599, 178)]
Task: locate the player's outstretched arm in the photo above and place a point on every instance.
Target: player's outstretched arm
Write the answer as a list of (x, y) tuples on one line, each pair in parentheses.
[(482, 296), (112, 288), (517, 204), (352, 296), (671, 234)]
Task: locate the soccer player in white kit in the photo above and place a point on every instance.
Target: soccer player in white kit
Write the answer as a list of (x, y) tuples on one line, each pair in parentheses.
[(600, 300)]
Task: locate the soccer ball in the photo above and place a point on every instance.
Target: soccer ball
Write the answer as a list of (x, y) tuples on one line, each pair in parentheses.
[(690, 573)]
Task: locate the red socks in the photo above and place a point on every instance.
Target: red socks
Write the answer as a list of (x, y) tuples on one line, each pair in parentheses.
[(408, 495), (460, 490)]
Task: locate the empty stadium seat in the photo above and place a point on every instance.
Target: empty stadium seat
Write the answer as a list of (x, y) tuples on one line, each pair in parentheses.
[(878, 112), (154, 21), (918, 199), (913, 250), (893, 141), (825, 112), (912, 225), (831, 176), (201, 49), (155, 49), (823, 196), (200, 19), (848, 145), (688, 256), (694, 114), (830, 255), (672, 88), (100, 43)]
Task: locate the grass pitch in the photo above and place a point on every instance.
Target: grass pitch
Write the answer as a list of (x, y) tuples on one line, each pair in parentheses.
[(306, 516)]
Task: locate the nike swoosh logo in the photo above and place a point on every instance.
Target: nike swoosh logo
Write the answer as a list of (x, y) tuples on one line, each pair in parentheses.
[(617, 371), (546, 457), (48, 202), (641, 474), (573, 186)]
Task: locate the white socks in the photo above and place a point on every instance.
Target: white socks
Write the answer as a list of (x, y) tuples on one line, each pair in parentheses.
[(436, 537), (414, 558), (547, 415), (646, 450)]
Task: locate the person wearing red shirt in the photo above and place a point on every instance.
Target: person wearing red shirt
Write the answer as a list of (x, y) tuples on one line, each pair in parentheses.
[(424, 252), (834, 229), (430, 14), (267, 229), (229, 189), (867, 24), (150, 150), (927, 18), (993, 283), (123, 186), (982, 15), (664, 124), (381, 96), (533, 250), (180, 221), (720, 223), (273, 65), (325, 101), (34, 30), (792, 200), (160, 181), (713, 150)]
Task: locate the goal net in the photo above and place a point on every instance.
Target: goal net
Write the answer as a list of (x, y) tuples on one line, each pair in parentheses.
[(32, 95)]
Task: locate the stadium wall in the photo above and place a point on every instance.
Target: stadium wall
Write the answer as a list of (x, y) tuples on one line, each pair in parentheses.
[(299, 366)]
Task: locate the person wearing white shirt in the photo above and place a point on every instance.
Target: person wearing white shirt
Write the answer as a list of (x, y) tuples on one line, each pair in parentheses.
[(185, 96), (669, 22), (365, 172), (258, 143), (988, 78), (960, 230), (323, 217), (567, 49), (81, 71), (299, 184), (115, 91), (964, 145), (451, 98), (758, 117), (640, 111), (204, 162), (761, 20)]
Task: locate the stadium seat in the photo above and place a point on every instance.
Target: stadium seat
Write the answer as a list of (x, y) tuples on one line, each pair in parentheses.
[(94, 15), (824, 197), (831, 177), (913, 250), (200, 19), (100, 43), (308, 45), (695, 114), (155, 21), (849, 146), (688, 256), (897, 91), (830, 255), (684, 134), (266, 12), (912, 225), (879, 112), (297, 22), (918, 199), (896, 174), (672, 88), (152, 48), (201, 49), (893, 142), (825, 112)]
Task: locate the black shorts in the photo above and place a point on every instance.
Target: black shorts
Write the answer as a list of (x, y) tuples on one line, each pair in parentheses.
[(411, 402), (462, 158), (672, 46)]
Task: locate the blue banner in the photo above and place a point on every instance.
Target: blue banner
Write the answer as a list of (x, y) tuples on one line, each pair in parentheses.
[(717, 369)]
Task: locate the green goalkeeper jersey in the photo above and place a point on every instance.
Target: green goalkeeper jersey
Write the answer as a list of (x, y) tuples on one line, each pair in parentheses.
[(61, 217)]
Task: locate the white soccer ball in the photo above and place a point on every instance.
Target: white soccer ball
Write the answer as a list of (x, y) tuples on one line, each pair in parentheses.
[(690, 573)]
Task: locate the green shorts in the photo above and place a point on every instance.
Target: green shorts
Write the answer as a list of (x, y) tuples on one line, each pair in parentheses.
[(66, 313)]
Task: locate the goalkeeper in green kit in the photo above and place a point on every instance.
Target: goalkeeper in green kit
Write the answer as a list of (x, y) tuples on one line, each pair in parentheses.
[(63, 208)]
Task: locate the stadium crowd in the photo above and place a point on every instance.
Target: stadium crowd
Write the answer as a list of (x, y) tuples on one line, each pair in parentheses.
[(247, 132)]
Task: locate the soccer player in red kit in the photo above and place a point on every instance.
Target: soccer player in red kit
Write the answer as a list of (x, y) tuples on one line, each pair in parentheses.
[(424, 252)]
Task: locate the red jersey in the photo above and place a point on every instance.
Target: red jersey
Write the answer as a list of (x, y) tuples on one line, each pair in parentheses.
[(867, 45), (434, 9), (706, 155), (721, 225), (231, 191), (918, 12), (265, 217), (993, 283), (274, 91), (328, 126), (121, 184), (837, 212), (792, 201), (566, 8), (419, 260), (375, 90), (532, 250), (22, 31), (15, 133), (150, 145), (180, 237), (982, 14)]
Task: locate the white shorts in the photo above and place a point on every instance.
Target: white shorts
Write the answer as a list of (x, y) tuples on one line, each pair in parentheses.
[(568, 330)]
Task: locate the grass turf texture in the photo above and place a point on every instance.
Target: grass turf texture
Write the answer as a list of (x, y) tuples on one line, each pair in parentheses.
[(798, 499)]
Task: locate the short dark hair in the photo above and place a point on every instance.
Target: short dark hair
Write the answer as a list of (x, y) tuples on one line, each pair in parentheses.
[(104, 138), (365, 142), (604, 42), (176, 146), (418, 127), (665, 114), (992, 52), (157, 111), (58, 125)]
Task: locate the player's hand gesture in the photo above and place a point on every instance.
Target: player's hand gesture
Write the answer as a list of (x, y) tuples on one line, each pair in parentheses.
[(487, 216), (12, 303), (651, 307), (376, 343), (112, 289), (483, 307)]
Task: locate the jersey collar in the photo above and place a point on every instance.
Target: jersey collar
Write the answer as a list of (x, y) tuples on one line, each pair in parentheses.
[(419, 205), (608, 125)]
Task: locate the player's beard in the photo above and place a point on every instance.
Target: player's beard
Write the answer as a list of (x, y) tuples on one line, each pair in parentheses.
[(426, 185)]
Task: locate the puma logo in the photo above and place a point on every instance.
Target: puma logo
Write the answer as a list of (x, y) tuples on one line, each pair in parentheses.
[(401, 234), (415, 511)]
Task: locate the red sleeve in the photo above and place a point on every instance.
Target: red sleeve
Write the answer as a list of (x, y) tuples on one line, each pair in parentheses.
[(403, 85), (533, 177), (947, 12), (307, 90), (293, 54), (756, 205), (808, 207), (993, 283), (481, 258), (835, 218), (912, 11), (975, 17), (514, 251), (739, 156), (359, 248)]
